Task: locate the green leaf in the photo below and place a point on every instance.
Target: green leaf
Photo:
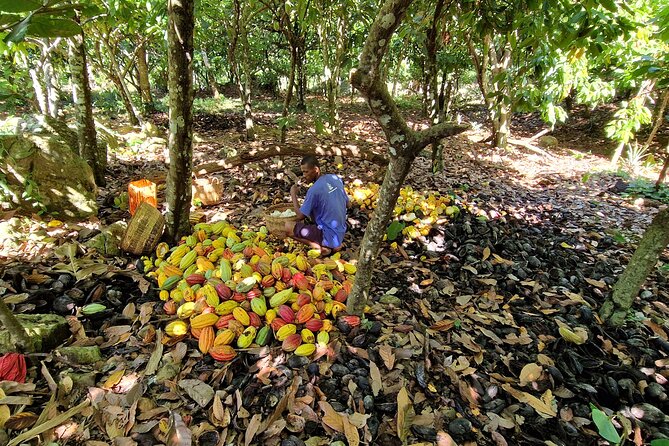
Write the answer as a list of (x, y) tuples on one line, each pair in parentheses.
[(610, 5), (660, 442), (19, 6), (394, 230), (53, 27), (604, 425), (18, 33)]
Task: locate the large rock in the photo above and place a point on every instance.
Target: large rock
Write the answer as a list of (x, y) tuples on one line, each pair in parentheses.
[(60, 179), (46, 331)]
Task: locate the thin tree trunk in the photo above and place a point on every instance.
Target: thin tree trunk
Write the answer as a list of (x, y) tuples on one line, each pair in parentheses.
[(659, 116), (663, 173), (617, 154), (211, 77), (49, 87), (17, 333), (95, 156), (143, 78), (39, 92), (654, 240), (301, 78), (289, 94), (180, 82), (396, 172), (396, 75), (117, 79)]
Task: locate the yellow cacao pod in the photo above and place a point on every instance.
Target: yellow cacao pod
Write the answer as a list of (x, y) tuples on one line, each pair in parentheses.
[(305, 350), (204, 320), (206, 340), (285, 331), (176, 328), (247, 337), (241, 315)]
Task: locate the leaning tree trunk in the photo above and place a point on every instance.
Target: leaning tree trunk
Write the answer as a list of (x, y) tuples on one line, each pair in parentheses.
[(654, 240), (404, 144), (95, 156), (658, 117), (117, 78), (663, 172), (16, 331), (143, 79), (180, 83)]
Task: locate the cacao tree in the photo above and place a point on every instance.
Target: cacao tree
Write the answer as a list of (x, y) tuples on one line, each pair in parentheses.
[(655, 239), (180, 82), (404, 144)]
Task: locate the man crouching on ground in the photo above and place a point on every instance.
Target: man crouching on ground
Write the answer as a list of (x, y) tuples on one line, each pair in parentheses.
[(325, 203)]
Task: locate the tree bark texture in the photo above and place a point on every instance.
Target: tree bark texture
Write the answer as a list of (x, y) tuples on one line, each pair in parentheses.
[(658, 115), (665, 167), (95, 156), (211, 76), (238, 55), (116, 76), (180, 83), (289, 93), (16, 331), (404, 144), (301, 75), (332, 33), (654, 241), (143, 78), (431, 70)]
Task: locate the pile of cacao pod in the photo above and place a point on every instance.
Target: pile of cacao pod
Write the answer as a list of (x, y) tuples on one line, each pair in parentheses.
[(420, 210), (228, 288)]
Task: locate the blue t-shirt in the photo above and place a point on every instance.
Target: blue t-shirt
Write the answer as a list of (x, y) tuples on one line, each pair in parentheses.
[(326, 203)]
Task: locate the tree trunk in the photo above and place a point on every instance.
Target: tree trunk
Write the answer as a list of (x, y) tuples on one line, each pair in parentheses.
[(396, 75), (211, 76), (397, 170), (404, 144), (289, 93), (659, 116), (47, 72), (39, 92), (616, 155), (431, 71), (95, 156), (654, 240), (143, 78), (180, 82), (117, 78), (16, 331), (663, 172), (301, 77)]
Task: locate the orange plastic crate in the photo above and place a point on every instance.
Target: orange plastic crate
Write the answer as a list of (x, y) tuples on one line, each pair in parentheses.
[(141, 191)]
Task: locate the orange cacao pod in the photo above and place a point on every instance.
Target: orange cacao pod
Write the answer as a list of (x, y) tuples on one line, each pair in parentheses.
[(206, 340), (222, 352)]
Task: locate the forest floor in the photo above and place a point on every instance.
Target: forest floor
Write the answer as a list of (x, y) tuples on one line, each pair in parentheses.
[(484, 330)]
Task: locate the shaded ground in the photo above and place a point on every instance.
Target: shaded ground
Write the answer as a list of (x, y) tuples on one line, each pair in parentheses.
[(468, 334)]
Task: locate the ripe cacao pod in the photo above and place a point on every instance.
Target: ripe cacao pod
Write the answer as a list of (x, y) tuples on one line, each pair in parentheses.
[(222, 352), (241, 315), (286, 313), (314, 324), (224, 337), (246, 338), (291, 342), (13, 367), (305, 313), (305, 350), (285, 331), (206, 340), (204, 320)]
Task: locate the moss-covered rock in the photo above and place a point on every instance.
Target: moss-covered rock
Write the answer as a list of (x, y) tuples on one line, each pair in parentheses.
[(51, 173), (46, 330)]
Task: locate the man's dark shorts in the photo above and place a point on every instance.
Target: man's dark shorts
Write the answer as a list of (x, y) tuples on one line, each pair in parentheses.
[(308, 232)]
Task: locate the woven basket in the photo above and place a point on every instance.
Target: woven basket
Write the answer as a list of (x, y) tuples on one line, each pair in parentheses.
[(276, 225), (144, 230)]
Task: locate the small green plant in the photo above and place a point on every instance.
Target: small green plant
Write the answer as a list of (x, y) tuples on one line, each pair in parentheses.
[(635, 158), (394, 229), (121, 201), (286, 122), (604, 425), (646, 189)]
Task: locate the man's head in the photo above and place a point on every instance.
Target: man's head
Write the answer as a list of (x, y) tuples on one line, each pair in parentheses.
[(310, 168)]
